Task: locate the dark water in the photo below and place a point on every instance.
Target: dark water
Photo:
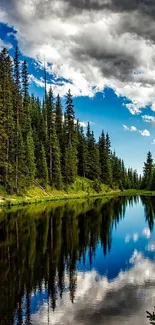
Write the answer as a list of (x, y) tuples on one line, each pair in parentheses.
[(78, 262)]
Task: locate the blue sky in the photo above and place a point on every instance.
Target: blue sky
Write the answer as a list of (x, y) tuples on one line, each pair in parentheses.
[(105, 57)]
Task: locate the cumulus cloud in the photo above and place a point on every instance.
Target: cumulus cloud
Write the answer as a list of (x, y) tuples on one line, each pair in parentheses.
[(93, 43), (144, 133), (100, 301)]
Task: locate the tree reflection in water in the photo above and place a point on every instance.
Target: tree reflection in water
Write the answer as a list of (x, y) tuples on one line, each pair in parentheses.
[(151, 317), (40, 244)]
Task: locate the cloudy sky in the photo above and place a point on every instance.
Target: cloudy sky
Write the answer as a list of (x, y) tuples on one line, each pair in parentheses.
[(99, 301), (104, 51)]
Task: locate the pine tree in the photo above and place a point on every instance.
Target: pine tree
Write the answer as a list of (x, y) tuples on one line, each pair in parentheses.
[(147, 172), (105, 158), (56, 162), (93, 156), (30, 158), (82, 153), (70, 118), (6, 121), (37, 143), (70, 141), (70, 170), (58, 120), (43, 167), (102, 155), (18, 122), (108, 161), (25, 114), (50, 121)]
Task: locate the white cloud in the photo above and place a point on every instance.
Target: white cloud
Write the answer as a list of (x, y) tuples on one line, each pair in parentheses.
[(75, 44), (144, 133), (149, 119), (136, 257), (84, 124), (3, 44), (151, 247), (146, 233), (135, 237), (153, 141), (133, 108), (104, 301), (127, 128)]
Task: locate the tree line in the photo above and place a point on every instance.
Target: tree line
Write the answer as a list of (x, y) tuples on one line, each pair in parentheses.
[(41, 142)]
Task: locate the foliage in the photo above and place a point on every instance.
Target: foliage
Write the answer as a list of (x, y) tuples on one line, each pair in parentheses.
[(37, 143), (97, 186)]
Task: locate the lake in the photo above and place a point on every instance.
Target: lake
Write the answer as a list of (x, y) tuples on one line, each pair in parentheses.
[(80, 262)]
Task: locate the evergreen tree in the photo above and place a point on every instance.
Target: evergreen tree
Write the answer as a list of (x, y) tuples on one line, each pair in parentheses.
[(103, 155), (147, 172), (36, 143), (56, 164), (25, 114), (70, 118), (94, 169), (105, 158), (58, 120), (43, 167), (108, 161), (82, 152), (6, 121), (30, 158), (70, 141), (50, 121), (53, 148), (18, 121)]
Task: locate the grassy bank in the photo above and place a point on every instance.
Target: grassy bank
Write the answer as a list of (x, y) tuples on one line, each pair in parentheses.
[(79, 189), (135, 192)]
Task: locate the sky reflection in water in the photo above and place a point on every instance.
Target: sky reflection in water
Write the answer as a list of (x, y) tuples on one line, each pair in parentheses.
[(83, 262)]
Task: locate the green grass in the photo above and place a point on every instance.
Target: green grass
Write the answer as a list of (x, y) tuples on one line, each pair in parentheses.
[(82, 187), (137, 192)]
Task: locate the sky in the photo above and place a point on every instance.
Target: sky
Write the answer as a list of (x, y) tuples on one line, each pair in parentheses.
[(104, 51)]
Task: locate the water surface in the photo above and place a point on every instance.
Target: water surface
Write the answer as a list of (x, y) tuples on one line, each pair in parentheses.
[(80, 262)]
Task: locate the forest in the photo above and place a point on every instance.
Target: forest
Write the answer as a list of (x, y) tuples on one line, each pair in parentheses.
[(43, 143)]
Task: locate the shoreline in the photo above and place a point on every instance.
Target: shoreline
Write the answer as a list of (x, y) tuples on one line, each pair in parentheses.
[(23, 200)]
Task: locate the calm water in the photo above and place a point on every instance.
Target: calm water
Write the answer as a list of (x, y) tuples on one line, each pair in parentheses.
[(78, 263)]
